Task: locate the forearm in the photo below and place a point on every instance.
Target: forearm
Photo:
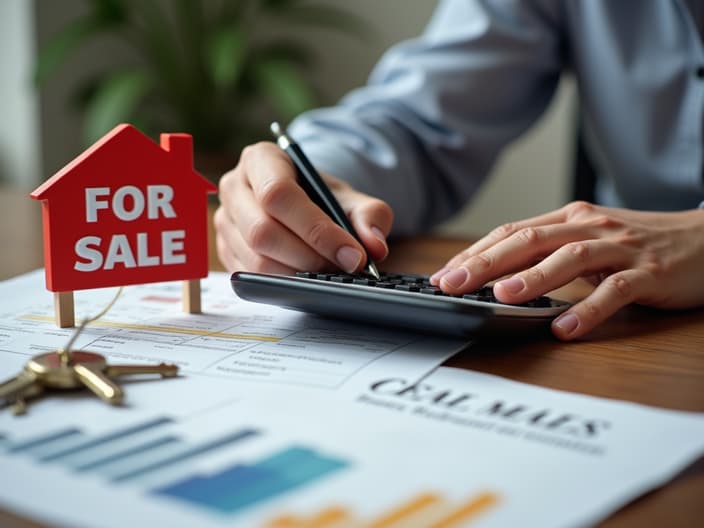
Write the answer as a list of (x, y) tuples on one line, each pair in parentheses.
[(425, 131)]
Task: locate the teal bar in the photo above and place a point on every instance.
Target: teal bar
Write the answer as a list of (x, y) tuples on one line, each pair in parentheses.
[(241, 486), (204, 489), (301, 473)]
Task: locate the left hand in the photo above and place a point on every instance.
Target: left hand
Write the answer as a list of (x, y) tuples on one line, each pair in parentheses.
[(655, 259)]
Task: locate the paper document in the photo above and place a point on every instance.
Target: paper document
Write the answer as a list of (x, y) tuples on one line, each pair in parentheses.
[(455, 448), (232, 339)]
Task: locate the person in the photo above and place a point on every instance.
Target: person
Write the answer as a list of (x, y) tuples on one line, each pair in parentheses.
[(408, 149)]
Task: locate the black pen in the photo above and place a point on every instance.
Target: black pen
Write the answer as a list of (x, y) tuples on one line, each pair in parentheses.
[(316, 189)]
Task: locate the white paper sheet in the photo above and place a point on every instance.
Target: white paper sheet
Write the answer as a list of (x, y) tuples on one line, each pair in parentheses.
[(232, 339), (459, 445)]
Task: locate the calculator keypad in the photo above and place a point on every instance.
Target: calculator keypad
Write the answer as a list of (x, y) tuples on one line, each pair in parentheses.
[(415, 284)]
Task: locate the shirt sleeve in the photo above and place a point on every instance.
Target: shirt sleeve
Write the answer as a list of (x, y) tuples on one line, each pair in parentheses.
[(438, 109)]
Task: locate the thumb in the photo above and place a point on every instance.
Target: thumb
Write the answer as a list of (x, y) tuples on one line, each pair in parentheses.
[(372, 219)]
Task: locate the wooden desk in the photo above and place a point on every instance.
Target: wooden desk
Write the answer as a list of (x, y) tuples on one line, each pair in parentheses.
[(640, 355)]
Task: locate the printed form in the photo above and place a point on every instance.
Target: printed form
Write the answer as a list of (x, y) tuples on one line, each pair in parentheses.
[(232, 338)]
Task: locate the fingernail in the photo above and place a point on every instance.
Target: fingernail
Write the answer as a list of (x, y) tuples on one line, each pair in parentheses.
[(456, 278), (513, 285), (380, 237), (348, 258), (568, 323), (435, 277)]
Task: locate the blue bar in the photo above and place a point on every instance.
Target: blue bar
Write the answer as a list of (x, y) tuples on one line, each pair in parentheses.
[(188, 453), (142, 448), (109, 437), (44, 440), (204, 489), (241, 486)]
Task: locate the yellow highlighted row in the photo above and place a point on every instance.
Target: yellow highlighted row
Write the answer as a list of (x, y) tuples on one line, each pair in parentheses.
[(166, 329)]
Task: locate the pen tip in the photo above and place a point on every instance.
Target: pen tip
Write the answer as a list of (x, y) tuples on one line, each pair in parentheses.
[(373, 271)]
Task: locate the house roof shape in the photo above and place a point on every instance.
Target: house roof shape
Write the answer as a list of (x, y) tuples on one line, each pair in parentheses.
[(126, 150)]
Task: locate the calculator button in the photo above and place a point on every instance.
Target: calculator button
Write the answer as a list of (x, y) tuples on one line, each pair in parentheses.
[(413, 287)]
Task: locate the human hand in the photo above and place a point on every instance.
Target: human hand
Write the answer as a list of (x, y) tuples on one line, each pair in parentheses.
[(267, 223), (650, 258)]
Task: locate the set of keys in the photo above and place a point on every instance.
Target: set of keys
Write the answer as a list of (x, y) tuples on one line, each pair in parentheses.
[(66, 369)]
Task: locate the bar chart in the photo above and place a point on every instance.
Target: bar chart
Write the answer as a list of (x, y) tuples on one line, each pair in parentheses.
[(152, 456)]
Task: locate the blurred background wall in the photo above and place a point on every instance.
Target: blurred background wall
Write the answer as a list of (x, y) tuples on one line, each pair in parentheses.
[(39, 133)]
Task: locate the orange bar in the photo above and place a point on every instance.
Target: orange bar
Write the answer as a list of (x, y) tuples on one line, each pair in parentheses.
[(286, 521), (466, 512), (329, 517), (407, 510)]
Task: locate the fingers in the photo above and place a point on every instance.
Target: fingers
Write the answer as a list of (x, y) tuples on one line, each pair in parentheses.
[(520, 250), (576, 259), (372, 219), (505, 231), (268, 223), (615, 292), (260, 252), (281, 198)]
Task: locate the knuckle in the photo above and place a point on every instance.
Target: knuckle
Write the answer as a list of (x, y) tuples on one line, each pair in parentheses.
[(536, 275), (503, 231), (219, 218), (259, 234), (272, 194), (528, 235), (579, 250), (605, 222), (254, 150), (590, 310), (579, 208), (226, 182), (618, 286), (317, 232), (481, 262), (653, 264)]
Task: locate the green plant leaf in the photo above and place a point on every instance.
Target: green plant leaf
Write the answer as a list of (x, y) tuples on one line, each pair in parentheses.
[(110, 12), (55, 52), (105, 15), (287, 89), (114, 102), (225, 55)]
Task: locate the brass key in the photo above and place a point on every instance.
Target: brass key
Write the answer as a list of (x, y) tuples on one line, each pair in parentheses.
[(72, 370)]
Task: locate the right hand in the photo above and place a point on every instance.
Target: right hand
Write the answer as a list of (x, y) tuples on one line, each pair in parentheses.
[(266, 222)]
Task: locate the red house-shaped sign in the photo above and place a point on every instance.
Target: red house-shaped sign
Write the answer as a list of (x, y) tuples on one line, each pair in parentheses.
[(126, 211)]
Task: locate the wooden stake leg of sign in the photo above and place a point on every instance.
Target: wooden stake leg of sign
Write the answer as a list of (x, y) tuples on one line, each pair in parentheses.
[(191, 296), (63, 309)]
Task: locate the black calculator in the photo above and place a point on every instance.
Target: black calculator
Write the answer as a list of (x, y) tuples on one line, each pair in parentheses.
[(397, 300)]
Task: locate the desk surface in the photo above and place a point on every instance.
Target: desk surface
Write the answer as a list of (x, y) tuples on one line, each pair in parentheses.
[(640, 355)]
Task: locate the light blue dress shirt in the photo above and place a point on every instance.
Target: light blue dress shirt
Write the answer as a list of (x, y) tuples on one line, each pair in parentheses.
[(438, 109)]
